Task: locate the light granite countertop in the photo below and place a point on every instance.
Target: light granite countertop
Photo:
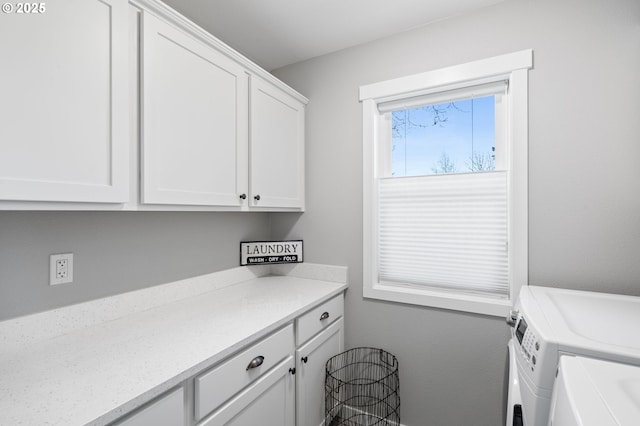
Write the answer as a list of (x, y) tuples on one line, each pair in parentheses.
[(65, 367)]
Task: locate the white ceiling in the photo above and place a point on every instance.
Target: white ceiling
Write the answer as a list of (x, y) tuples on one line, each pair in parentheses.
[(275, 33)]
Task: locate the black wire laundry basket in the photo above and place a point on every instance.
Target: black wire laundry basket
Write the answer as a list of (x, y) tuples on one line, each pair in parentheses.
[(362, 389)]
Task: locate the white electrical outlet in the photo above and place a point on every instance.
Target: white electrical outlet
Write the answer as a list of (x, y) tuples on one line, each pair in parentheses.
[(60, 268)]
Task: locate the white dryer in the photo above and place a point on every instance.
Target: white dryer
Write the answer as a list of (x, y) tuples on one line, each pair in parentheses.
[(590, 392), (550, 322)]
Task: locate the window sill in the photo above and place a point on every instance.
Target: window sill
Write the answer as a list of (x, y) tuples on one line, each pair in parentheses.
[(439, 299)]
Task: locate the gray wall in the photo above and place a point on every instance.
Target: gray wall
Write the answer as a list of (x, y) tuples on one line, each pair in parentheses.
[(114, 252), (584, 183)]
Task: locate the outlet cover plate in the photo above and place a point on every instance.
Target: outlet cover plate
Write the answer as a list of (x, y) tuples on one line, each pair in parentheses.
[(60, 268)]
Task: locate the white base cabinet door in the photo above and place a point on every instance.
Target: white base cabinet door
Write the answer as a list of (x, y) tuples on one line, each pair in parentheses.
[(64, 134), (276, 147), (268, 402), (311, 359), (194, 120), (166, 411)]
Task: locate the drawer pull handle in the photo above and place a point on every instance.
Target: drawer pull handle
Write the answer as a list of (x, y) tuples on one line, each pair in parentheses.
[(304, 359), (324, 316), (256, 362), (292, 371)]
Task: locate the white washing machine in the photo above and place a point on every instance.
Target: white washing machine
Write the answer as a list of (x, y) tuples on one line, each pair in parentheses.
[(590, 392), (550, 322)]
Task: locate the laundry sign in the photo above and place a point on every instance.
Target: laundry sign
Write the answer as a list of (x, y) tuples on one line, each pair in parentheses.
[(263, 252)]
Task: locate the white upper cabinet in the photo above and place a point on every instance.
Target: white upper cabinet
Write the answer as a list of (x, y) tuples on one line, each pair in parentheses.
[(194, 120), (134, 107), (276, 147), (64, 106)]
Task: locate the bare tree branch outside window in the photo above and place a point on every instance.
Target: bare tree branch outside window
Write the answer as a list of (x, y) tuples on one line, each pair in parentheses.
[(409, 124)]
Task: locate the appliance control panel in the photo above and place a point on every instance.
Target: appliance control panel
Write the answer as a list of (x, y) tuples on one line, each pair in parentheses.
[(537, 349), (529, 343), (531, 346), (536, 356)]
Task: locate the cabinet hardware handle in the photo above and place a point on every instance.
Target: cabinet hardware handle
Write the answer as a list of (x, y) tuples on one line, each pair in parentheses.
[(257, 197), (292, 371), (256, 362), (243, 196), (304, 359), (324, 316)]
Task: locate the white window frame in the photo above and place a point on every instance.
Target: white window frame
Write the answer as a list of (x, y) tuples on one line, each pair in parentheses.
[(512, 67)]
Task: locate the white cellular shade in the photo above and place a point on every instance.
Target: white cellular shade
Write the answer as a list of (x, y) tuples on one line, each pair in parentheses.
[(447, 231)]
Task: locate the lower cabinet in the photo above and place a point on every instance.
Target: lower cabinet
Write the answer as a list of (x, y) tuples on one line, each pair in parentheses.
[(214, 387), (254, 384), (168, 410), (310, 371), (276, 381), (269, 401)]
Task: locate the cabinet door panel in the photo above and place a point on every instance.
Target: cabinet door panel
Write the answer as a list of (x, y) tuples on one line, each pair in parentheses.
[(310, 374), (166, 411), (276, 147), (194, 120), (64, 105)]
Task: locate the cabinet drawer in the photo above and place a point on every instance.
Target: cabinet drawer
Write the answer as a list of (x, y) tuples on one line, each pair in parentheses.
[(223, 381), (318, 318), (268, 401), (168, 410)]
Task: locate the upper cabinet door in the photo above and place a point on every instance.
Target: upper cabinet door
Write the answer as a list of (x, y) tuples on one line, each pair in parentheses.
[(194, 120), (64, 102), (276, 147)]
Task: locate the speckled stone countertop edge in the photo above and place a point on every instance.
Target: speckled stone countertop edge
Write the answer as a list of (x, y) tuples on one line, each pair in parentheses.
[(47, 361), (20, 332)]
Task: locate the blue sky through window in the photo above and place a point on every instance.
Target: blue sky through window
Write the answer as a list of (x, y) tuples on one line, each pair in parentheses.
[(452, 137)]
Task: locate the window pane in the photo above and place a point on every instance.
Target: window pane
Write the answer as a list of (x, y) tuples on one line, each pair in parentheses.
[(451, 137)]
